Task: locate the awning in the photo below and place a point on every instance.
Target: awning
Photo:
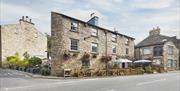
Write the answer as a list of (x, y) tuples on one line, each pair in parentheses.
[(142, 61)]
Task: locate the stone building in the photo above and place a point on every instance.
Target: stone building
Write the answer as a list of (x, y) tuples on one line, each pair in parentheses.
[(74, 39), (20, 38), (162, 50)]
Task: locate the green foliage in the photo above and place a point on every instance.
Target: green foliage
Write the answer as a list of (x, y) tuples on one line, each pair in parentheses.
[(140, 70), (14, 60), (45, 71), (148, 69), (33, 61)]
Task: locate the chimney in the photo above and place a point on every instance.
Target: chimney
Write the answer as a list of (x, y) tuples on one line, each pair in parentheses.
[(155, 31), (25, 19), (22, 17), (30, 20), (94, 20)]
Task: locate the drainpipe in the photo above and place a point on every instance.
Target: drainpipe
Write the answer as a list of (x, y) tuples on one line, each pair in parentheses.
[(0, 49), (106, 41), (106, 50)]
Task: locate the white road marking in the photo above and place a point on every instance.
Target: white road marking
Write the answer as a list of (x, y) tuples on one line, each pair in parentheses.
[(150, 82)]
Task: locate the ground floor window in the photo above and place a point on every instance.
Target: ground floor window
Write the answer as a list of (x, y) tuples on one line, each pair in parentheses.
[(175, 63), (85, 63), (157, 61), (170, 63)]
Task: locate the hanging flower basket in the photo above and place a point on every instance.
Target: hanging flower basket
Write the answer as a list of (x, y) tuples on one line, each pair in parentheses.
[(85, 57), (106, 59), (66, 55)]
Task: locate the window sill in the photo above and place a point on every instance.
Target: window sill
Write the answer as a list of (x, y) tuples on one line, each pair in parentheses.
[(94, 36), (114, 53), (95, 53), (114, 41), (74, 31), (75, 51)]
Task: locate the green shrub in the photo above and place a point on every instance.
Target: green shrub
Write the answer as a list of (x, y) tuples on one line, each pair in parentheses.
[(45, 71), (148, 69), (33, 61), (140, 70), (14, 60)]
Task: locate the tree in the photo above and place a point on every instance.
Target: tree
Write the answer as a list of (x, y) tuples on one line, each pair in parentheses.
[(48, 45)]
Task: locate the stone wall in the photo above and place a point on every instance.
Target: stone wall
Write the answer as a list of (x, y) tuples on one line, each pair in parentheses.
[(22, 37), (174, 56), (163, 58), (61, 34)]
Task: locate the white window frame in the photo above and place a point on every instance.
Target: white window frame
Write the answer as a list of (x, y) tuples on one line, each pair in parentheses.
[(170, 50), (170, 63), (114, 47), (127, 51), (146, 50), (74, 26), (114, 37), (96, 45), (126, 41), (74, 45), (94, 32)]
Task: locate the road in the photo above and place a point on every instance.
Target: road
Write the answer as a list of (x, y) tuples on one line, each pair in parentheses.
[(17, 81)]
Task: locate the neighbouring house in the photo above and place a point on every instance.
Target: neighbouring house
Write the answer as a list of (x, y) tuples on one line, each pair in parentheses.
[(20, 38), (77, 44), (160, 49)]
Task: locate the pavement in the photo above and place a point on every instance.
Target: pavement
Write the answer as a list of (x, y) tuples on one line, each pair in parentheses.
[(11, 80)]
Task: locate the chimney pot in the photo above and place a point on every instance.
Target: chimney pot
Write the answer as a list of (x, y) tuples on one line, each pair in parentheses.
[(26, 18), (22, 17), (155, 31)]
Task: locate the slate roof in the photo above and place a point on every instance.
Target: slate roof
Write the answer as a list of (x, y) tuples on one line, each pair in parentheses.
[(93, 25), (156, 40)]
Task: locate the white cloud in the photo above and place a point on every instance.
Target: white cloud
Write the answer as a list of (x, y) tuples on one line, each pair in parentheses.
[(104, 4), (151, 4), (11, 12), (64, 1), (131, 17)]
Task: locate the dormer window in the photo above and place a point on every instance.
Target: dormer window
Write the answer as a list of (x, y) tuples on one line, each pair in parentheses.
[(114, 37), (74, 26)]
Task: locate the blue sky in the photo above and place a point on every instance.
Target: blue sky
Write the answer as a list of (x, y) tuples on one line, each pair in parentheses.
[(131, 17)]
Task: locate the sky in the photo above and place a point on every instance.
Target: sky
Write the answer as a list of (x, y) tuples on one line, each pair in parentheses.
[(134, 18)]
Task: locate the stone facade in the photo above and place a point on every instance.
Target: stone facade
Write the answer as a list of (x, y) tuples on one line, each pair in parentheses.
[(160, 49), (62, 34), (21, 38)]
